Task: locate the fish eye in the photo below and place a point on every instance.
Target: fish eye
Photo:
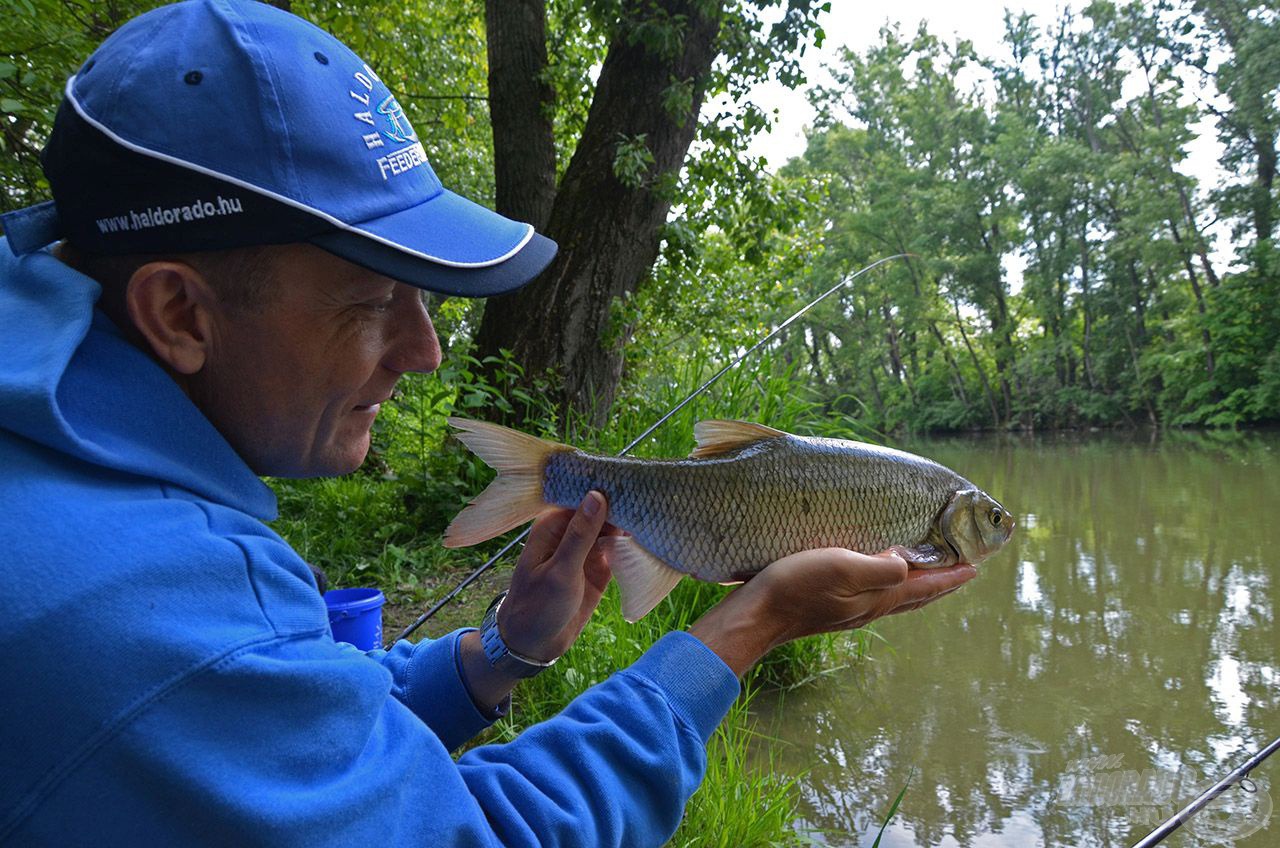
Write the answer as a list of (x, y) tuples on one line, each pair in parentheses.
[(996, 517)]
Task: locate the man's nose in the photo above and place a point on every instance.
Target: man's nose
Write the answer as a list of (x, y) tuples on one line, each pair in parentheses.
[(414, 346)]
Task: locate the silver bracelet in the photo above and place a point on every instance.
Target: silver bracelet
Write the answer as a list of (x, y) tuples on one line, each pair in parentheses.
[(500, 657)]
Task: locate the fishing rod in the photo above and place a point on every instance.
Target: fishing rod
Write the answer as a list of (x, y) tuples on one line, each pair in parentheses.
[(1238, 776), (422, 619)]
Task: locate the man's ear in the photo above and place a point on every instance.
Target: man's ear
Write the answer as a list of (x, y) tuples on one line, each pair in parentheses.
[(172, 305)]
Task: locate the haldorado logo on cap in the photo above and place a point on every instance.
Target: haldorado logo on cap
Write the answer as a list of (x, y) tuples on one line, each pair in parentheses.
[(396, 127)]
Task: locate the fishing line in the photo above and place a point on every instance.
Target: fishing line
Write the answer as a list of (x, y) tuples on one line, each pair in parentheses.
[(681, 405)]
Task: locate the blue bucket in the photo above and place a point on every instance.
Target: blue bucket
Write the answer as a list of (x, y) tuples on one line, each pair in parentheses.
[(355, 616)]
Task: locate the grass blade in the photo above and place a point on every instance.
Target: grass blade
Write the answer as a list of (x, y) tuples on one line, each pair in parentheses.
[(893, 811)]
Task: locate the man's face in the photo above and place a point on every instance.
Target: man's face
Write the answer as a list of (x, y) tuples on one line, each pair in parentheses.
[(295, 384)]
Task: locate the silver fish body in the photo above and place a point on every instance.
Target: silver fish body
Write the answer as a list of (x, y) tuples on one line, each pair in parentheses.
[(747, 496), (724, 518)]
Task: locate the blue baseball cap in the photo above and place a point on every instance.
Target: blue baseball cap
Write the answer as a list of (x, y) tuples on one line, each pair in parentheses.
[(213, 124)]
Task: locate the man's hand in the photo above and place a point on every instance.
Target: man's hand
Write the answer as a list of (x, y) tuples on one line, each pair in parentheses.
[(816, 592), (557, 582), (555, 587)]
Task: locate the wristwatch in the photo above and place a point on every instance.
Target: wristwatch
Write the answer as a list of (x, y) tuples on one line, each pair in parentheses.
[(500, 657)]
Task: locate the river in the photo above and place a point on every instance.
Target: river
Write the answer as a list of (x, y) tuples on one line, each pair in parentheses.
[(1111, 662)]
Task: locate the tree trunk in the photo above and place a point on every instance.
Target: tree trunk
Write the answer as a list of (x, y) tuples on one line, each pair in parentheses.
[(951, 362), (982, 375), (520, 110), (891, 337), (1263, 198), (933, 327), (1200, 305), (609, 228), (1086, 305), (1188, 214)]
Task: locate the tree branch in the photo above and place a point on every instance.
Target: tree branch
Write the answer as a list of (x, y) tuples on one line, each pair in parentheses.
[(483, 97)]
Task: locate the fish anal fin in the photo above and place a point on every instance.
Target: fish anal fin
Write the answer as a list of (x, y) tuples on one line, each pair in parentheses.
[(719, 436), (643, 579)]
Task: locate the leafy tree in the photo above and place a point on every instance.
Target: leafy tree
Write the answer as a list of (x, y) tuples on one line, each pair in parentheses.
[(610, 208), (42, 43)]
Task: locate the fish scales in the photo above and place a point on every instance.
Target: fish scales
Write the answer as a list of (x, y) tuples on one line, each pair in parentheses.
[(726, 517)]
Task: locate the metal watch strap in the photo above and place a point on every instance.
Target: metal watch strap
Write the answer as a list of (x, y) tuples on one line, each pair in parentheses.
[(496, 651)]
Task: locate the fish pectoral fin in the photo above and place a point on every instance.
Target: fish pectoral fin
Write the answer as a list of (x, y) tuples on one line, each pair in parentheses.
[(718, 436), (643, 579), (923, 556)]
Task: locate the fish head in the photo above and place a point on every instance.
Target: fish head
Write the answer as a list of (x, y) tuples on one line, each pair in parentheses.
[(976, 525)]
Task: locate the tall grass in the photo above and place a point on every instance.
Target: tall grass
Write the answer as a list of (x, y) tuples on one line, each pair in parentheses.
[(382, 527)]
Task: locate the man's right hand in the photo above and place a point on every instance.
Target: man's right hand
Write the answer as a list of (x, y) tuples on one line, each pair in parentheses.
[(818, 591)]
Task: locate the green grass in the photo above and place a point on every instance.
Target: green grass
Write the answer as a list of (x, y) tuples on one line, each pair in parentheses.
[(893, 810), (739, 804), (382, 527)]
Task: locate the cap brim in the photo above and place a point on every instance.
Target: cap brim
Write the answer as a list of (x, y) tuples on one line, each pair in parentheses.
[(448, 245)]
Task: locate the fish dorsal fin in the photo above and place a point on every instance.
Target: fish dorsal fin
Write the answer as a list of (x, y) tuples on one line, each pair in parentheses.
[(718, 436)]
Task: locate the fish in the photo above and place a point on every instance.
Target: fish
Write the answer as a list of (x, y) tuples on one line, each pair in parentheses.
[(746, 496)]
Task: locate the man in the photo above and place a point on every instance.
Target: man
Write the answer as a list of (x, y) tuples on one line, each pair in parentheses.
[(227, 285)]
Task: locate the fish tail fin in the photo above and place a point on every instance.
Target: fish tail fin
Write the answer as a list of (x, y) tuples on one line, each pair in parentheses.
[(643, 579), (515, 495)]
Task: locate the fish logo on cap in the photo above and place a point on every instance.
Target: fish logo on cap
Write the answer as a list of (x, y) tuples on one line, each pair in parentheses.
[(401, 130), (403, 159)]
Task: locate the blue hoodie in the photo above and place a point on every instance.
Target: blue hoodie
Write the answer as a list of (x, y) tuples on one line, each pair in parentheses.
[(169, 674)]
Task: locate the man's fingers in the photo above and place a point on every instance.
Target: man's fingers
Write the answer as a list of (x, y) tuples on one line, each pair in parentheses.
[(597, 571), (928, 583), (545, 535), (881, 571), (583, 530), (954, 575)]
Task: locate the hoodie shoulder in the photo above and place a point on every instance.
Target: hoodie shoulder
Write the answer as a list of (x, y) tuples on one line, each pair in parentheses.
[(71, 382)]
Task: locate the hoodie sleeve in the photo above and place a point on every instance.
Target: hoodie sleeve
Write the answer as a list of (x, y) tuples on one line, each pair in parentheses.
[(296, 743), (618, 765), (427, 678)]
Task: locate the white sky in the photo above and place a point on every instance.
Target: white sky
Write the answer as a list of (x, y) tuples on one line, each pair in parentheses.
[(856, 24)]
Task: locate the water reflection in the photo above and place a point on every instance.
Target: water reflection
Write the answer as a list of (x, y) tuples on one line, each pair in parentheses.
[(1128, 627)]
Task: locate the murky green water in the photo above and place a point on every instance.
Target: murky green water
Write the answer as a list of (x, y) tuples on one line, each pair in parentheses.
[(1108, 665)]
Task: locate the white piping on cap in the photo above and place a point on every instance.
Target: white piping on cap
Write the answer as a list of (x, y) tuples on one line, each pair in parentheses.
[(288, 201)]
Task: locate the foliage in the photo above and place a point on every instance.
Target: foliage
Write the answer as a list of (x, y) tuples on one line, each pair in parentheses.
[(1064, 160), (43, 43)]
